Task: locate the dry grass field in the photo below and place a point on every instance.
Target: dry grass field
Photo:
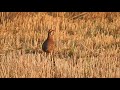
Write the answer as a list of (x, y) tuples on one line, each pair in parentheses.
[(87, 45)]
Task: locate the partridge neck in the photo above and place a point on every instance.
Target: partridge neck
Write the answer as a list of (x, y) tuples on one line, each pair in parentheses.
[(49, 36)]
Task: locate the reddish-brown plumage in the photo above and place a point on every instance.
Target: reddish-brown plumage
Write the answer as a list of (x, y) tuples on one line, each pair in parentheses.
[(48, 45)]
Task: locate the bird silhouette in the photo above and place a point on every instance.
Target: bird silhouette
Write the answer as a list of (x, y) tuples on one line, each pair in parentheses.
[(48, 45)]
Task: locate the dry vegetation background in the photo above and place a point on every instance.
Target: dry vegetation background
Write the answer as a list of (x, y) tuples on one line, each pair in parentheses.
[(87, 44)]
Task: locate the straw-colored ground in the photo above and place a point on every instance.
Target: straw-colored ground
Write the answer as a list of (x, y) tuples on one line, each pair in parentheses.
[(87, 45)]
